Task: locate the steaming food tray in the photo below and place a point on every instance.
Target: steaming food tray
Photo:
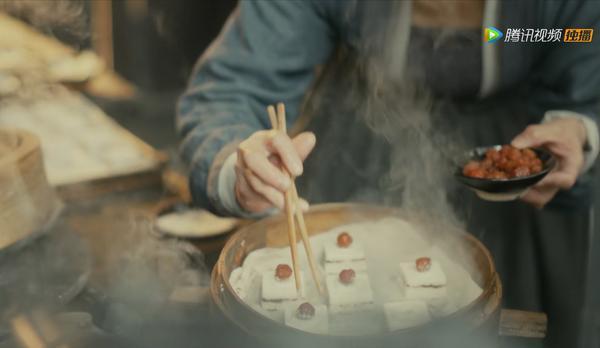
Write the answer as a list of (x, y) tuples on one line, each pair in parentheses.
[(80, 142)]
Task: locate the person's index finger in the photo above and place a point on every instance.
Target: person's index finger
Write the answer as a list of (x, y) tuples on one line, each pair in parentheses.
[(266, 171), (282, 144)]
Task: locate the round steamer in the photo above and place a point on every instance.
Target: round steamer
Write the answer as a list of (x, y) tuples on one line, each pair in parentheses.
[(27, 202), (479, 318)]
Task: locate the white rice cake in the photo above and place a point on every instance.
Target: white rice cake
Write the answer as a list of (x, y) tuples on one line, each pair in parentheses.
[(273, 289), (349, 297), (337, 267), (270, 310), (318, 324), (279, 305), (368, 321), (334, 253), (439, 308), (434, 277), (405, 314), (425, 293)]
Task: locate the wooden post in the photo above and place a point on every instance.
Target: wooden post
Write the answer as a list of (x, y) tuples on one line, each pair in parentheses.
[(102, 30), (522, 324)]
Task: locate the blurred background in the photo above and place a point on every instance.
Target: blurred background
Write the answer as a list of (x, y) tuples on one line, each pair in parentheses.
[(87, 103), (155, 45), (151, 45)]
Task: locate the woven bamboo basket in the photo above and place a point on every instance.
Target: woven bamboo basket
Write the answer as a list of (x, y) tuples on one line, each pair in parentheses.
[(27, 202)]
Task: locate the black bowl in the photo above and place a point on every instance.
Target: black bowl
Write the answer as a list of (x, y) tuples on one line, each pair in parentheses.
[(503, 189)]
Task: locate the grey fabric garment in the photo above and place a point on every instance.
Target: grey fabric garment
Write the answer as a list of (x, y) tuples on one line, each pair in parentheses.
[(268, 51), (541, 256), (451, 60), (591, 310)]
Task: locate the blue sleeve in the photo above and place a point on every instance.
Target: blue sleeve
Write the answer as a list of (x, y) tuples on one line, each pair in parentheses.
[(266, 53)]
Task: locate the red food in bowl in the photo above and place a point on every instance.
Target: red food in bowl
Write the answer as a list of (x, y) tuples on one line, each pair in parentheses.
[(506, 163)]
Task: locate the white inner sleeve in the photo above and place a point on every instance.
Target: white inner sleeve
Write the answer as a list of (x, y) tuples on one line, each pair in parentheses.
[(226, 187), (591, 129)]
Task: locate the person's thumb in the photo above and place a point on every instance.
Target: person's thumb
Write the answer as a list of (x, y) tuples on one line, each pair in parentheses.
[(304, 143)]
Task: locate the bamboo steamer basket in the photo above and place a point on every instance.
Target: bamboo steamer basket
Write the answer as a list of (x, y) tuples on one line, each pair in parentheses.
[(27, 202), (478, 319)]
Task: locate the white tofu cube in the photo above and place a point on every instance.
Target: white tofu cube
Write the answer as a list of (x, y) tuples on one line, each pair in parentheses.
[(433, 277), (442, 308), (405, 314), (278, 305), (425, 293), (274, 289), (270, 310), (337, 267), (318, 324), (350, 323), (357, 295), (334, 253)]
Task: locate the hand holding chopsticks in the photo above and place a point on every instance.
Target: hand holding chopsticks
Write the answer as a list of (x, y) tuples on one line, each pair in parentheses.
[(293, 211)]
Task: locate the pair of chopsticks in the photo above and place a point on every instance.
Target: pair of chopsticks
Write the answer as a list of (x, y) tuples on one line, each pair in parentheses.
[(293, 210)]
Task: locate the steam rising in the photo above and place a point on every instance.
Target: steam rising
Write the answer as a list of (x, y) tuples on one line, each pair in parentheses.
[(134, 278), (386, 121), (145, 273), (403, 114)]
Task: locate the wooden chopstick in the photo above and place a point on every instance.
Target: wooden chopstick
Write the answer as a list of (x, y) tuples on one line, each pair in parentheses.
[(305, 239), (273, 117), (289, 212), (293, 197)]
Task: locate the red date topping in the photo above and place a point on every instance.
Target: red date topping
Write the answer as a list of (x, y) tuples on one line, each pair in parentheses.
[(521, 171), (305, 311), (344, 240), (283, 272), (347, 276), (423, 264), (506, 163)]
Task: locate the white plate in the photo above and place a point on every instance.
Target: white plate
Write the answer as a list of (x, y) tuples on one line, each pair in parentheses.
[(194, 223)]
